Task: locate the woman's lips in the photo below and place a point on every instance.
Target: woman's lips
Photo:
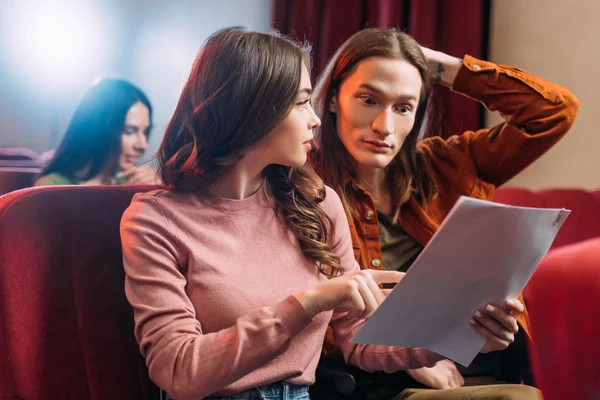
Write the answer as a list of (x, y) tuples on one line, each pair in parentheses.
[(308, 145)]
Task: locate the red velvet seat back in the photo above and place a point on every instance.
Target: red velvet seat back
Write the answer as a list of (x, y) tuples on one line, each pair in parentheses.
[(563, 296), (17, 153), (583, 222), (597, 195), (18, 157), (564, 306), (17, 178), (66, 327)]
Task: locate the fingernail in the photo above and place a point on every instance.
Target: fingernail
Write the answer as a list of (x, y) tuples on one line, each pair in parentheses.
[(510, 302), (477, 314), (472, 321), (489, 308)]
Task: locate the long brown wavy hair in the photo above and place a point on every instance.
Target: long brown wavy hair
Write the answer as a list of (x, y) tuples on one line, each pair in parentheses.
[(242, 86), (406, 172)]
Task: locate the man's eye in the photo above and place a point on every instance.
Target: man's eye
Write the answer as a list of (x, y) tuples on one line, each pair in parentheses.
[(367, 100)]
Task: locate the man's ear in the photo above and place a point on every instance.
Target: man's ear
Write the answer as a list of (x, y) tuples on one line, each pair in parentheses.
[(333, 104)]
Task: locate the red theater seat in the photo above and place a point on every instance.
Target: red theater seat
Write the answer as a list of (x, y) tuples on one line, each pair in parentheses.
[(18, 157), (66, 329), (17, 178), (563, 296), (583, 222), (564, 306)]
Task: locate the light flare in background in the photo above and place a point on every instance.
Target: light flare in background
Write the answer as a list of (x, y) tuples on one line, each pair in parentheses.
[(55, 45)]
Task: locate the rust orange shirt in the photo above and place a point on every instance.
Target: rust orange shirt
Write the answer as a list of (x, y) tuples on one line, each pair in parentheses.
[(537, 114)]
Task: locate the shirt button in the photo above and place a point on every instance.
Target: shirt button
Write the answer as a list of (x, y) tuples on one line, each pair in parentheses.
[(369, 215), (476, 67), (376, 262)]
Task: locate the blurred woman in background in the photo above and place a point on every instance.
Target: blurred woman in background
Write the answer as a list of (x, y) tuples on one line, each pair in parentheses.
[(105, 138)]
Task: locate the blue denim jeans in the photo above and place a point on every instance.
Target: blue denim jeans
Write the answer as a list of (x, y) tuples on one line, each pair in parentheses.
[(275, 391)]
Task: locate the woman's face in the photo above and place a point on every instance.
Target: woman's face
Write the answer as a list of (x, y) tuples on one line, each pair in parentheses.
[(375, 109), (290, 143), (134, 139)]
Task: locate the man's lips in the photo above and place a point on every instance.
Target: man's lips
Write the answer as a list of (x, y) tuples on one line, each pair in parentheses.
[(378, 143), (377, 146)]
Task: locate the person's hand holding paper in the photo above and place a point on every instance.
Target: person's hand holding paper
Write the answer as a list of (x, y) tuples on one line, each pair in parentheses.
[(482, 253), (497, 324)]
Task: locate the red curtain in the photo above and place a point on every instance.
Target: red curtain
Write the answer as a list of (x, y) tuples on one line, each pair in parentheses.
[(456, 27)]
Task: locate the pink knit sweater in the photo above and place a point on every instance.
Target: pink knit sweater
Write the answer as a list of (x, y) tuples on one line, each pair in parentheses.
[(212, 286)]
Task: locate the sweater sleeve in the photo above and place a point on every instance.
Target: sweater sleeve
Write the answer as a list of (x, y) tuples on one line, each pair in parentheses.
[(182, 359), (53, 180), (537, 114), (367, 357)]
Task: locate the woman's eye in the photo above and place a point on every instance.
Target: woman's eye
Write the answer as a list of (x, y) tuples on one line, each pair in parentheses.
[(302, 103)]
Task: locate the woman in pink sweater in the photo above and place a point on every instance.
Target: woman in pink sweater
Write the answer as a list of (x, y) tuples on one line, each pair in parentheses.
[(235, 269)]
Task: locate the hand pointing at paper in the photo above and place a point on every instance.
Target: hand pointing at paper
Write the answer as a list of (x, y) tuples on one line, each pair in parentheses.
[(358, 292), (497, 324)]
